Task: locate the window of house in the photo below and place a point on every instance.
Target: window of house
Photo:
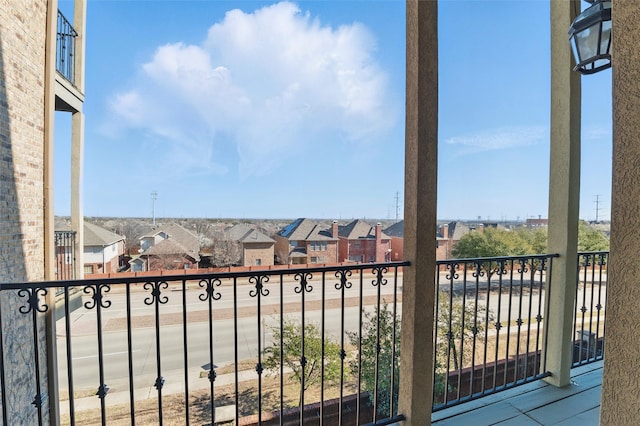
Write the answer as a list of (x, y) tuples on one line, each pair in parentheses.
[(324, 245), (294, 244), (88, 269), (314, 259), (356, 244), (258, 262)]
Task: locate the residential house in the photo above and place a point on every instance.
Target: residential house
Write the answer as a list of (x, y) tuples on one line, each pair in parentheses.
[(305, 241), (396, 234), (362, 242), (256, 248), (447, 237), (103, 250), (168, 247)]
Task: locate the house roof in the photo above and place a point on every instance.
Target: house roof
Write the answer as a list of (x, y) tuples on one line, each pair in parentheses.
[(179, 241), (94, 235), (303, 229), (245, 233), (395, 230), (359, 229), (457, 230)]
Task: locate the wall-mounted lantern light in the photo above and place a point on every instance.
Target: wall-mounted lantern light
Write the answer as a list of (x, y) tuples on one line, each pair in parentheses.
[(590, 36)]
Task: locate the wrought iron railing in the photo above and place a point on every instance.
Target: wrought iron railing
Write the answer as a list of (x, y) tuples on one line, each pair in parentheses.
[(283, 345), (591, 296), (490, 315), (65, 242), (66, 48)]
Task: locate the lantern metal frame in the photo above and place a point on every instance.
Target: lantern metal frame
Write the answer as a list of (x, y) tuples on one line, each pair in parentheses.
[(595, 16)]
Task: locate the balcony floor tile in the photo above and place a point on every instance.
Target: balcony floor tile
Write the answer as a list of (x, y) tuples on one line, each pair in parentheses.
[(536, 403)]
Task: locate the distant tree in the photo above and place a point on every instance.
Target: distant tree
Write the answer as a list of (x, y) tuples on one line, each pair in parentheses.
[(591, 239), (224, 252), (494, 242), (311, 370), (490, 242)]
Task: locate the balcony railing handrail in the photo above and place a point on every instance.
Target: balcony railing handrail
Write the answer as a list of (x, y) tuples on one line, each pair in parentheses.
[(65, 48), (145, 276), (496, 258)]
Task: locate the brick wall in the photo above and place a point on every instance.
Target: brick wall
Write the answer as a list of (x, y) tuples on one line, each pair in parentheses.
[(22, 89), (262, 251)]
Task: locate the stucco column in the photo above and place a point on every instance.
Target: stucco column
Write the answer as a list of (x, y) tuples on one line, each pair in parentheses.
[(77, 211), (564, 194), (620, 385), (77, 138), (421, 166)]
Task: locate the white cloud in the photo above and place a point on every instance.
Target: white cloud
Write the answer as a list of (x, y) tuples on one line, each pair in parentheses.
[(500, 138), (275, 82), (597, 133)]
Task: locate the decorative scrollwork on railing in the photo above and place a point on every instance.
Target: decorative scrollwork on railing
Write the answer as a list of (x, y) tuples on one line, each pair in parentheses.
[(259, 368), (212, 375), (602, 259), (159, 382), (33, 300), (209, 286), (304, 278), (379, 272), (453, 271), (37, 401), (259, 281), (501, 267), (156, 292), (343, 275), (586, 260), (98, 294), (524, 266), (479, 268), (103, 390), (542, 264)]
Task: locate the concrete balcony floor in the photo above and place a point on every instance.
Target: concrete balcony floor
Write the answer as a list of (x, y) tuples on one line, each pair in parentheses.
[(536, 403)]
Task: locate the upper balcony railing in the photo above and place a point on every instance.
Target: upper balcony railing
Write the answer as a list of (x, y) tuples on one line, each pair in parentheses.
[(65, 242), (66, 48)]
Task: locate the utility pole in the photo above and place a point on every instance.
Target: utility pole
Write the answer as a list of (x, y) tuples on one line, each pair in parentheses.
[(597, 202), (154, 197)]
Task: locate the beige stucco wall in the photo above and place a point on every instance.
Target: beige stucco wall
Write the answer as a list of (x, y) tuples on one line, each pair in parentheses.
[(22, 104), (620, 385)]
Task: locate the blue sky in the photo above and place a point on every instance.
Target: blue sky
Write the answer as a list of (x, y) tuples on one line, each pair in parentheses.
[(296, 109)]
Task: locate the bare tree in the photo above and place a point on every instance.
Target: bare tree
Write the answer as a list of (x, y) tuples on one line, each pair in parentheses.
[(225, 252)]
